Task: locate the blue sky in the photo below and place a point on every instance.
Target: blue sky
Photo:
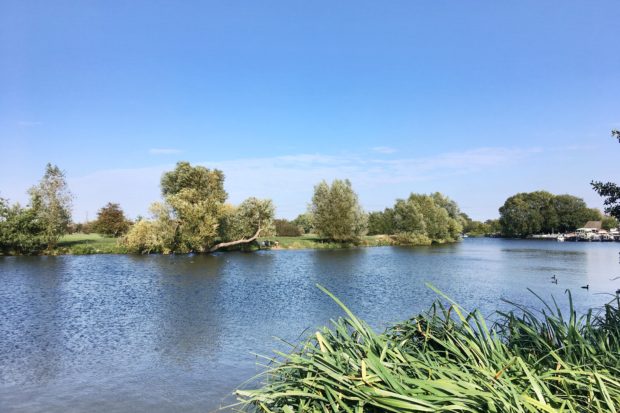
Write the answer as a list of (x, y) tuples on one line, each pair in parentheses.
[(478, 100)]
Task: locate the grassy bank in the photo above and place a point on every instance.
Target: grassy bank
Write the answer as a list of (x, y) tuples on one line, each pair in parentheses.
[(311, 241), (447, 360), (80, 244)]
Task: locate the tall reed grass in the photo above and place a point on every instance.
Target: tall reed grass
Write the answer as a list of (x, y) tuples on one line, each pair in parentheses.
[(449, 360)]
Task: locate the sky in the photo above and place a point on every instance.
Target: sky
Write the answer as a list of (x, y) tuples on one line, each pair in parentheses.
[(478, 100)]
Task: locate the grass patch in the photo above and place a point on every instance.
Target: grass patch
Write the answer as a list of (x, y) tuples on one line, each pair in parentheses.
[(311, 241), (449, 360), (81, 244)]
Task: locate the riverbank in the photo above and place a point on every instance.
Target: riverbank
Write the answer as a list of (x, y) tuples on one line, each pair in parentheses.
[(85, 244)]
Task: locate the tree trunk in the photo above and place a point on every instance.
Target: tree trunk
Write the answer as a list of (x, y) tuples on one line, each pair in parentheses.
[(231, 243)]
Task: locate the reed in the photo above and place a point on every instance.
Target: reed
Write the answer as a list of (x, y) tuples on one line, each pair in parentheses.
[(450, 360)]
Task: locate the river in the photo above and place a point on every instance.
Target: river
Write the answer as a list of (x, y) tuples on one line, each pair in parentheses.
[(122, 333)]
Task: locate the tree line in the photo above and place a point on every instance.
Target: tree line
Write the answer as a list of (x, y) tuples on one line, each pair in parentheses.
[(193, 216)]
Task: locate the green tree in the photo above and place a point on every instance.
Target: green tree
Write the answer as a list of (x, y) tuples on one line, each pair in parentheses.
[(609, 190), (196, 197), (111, 221), (193, 216), (381, 222), (336, 212), (609, 222), (21, 232), (286, 228), (304, 222), (245, 223), (51, 200), (538, 212)]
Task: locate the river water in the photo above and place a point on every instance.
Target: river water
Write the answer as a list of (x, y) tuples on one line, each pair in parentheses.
[(121, 333)]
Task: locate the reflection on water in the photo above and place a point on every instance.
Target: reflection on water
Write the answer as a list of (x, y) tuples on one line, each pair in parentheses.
[(167, 333)]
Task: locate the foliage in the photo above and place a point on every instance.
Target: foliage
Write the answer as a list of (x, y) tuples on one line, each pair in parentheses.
[(51, 200), (287, 228), (336, 212), (194, 217), (419, 220), (538, 212), (206, 183), (244, 221), (610, 222), (111, 221), (381, 222), (609, 190), (449, 360), (21, 231), (304, 222), (157, 235), (478, 228)]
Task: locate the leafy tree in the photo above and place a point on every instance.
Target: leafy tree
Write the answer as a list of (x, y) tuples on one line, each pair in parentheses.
[(111, 221), (609, 190), (304, 222), (336, 212), (51, 200), (286, 228), (381, 222), (610, 222), (194, 217), (538, 212), (21, 231), (245, 223)]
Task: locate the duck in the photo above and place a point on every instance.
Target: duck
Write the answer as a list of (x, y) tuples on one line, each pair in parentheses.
[(554, 281), (587, 286), (553, 277)]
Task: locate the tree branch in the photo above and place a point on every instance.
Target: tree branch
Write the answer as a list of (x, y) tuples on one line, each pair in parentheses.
[(231, 243)]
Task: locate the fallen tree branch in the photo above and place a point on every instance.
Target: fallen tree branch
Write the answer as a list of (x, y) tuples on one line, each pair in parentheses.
[(231, 243)]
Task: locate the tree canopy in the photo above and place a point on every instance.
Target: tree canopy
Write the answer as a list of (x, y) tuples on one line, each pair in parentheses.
[(538, 212), (419, 219), (336, 212), (39, 225), (111, 221), (193, 216), (609, 190), (51, 200)]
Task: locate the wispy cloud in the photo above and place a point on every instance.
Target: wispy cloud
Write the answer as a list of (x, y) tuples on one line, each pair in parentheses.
[(164, 151), (386, 150)]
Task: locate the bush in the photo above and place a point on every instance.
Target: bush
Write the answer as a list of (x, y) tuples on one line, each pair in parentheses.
[(286, 228)]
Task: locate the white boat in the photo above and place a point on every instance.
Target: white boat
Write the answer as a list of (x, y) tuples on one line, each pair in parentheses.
[(560, 238)]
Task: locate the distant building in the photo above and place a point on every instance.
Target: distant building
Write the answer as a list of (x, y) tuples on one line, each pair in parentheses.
[(597, 225)]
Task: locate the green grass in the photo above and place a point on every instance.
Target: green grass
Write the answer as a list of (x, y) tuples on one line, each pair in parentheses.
[(449, 360), (80, 244), (312, 241)]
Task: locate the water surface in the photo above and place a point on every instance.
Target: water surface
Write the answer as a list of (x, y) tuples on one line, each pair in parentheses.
[(120, 333)]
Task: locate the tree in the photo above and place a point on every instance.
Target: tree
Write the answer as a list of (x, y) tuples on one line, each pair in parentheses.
[(51, 200), (196, 197), (609, 190), (336, 212), (609, 223), (381, 222), (286, 228), (111, 221), (245, 223), (194, 216), (304, 222), (21, 231), (538, 212)]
